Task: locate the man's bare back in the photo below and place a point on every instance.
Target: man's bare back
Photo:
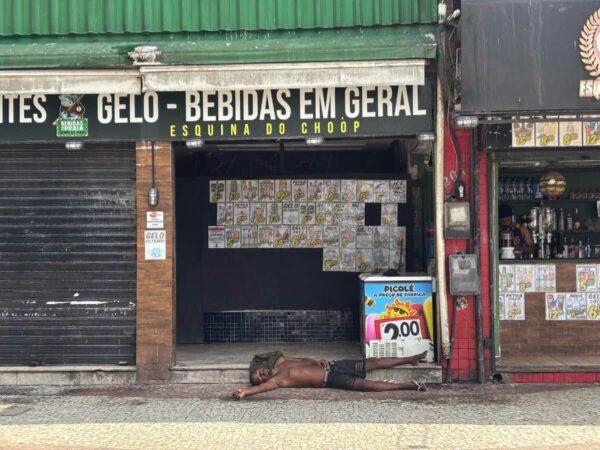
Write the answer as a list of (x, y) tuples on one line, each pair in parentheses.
[(345, 374)]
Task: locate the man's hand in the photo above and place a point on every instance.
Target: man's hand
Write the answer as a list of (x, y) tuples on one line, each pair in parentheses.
[(324, 362), (239, 394)]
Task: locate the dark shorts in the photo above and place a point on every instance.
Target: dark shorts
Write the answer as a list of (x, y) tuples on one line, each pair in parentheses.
[(343, 373)]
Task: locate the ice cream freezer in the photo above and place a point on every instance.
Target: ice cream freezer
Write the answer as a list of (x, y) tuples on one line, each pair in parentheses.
[(397, 316)]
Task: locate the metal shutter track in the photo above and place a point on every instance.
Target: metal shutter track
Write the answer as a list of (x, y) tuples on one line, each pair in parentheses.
[(67, 256)]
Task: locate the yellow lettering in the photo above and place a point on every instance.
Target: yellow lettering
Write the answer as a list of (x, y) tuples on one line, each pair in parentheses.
[(282, 128), (222, 129), (330, 127), (185, 129), (211, 130), (268, 129), (317, 127), (246, 129), (172, 130), (343, 126), (356, 126), (303, 128), (197, 130), (233, 129)]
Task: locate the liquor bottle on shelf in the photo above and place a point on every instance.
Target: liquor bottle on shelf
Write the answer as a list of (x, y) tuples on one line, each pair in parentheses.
[(580, 251), (588, 249), (561, 220), (576, 220), (569, 221), (572, 250), (565, 248)]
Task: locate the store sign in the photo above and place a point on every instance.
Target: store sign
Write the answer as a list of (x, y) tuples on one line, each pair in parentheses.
[(155, 220), (220, 115), (589, 49), (155, 245), (542, 56)]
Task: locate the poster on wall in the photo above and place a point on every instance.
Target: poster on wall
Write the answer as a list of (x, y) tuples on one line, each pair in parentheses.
[(217, 191), (266, 190), (249, 190), (266, 237), (315, 190), (283, 190), (348, 190), (389, 214), (545, 277), (282, 236), (241, 213), (555, 306), (331, 259), (249, 237), (364, 260), (232, 190), (576, 306), (398, 318), (233, 237), (155, 245), (507, 278), (299, 190), (586, 278), (364, 190), (514, 305), (381, 190), (331, 190), (225, 214), (315, 236), (397, 191), (216, 237), (524, 278), (299, 236), (258, 213), (593, 306)]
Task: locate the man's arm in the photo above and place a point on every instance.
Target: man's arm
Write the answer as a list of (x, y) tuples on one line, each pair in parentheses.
[(269, 385)]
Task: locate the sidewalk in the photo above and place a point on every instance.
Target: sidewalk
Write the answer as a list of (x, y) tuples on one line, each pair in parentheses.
[(201, 416)]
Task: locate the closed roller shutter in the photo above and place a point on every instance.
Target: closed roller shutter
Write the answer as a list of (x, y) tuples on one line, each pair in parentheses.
[(67, 256)]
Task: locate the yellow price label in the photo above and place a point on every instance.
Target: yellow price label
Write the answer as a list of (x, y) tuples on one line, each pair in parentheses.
[(593, 312)]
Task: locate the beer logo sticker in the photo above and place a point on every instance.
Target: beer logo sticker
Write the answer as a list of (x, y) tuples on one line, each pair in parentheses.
[(589, 50)]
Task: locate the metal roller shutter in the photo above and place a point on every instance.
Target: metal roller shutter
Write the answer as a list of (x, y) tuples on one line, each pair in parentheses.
[(67, 256)]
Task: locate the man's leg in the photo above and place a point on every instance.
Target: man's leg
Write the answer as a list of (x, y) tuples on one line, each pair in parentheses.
[(386, 363), (379, 386)]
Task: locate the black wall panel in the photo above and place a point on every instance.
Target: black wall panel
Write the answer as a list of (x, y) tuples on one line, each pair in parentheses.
[(67, 256)]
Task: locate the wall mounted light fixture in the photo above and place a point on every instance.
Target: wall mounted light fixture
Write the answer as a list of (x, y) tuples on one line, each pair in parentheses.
[(153, 194)]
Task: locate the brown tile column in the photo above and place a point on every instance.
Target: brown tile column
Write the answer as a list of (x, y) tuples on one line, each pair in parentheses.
[(155, 345)]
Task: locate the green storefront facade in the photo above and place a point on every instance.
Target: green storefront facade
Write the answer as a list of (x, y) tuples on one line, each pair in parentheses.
[(54, 47)]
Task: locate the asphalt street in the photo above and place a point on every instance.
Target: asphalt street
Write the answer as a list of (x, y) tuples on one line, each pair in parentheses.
[(204, 416)]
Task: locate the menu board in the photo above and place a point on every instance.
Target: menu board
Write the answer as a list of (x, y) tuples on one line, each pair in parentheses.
[(311, 213)]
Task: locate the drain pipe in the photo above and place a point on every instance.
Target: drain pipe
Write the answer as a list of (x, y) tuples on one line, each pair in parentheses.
[(440, 245), (477, 251)]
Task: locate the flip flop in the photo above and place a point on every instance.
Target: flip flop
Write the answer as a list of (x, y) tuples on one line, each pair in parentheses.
[(421, 387)]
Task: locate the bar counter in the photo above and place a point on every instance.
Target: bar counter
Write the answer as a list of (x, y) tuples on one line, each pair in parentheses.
[(537, 335)]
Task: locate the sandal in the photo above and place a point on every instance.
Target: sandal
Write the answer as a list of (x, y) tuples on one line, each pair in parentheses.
[(421, 387)]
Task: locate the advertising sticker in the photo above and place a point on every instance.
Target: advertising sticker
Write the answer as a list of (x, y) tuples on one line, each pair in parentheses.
[(399, 319)]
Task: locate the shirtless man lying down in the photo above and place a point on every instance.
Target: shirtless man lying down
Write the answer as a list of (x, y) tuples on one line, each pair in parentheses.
[(270, 371)]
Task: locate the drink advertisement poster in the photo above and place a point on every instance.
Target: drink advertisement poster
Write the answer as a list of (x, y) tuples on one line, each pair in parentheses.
[(398, 318)]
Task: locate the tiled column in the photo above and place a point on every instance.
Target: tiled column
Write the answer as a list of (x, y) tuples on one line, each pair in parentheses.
[(155, 279)]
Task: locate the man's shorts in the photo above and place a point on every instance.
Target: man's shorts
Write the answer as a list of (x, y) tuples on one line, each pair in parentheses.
[(343, 373)]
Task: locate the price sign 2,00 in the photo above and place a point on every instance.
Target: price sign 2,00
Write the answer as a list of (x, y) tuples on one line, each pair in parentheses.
[(405, 328)]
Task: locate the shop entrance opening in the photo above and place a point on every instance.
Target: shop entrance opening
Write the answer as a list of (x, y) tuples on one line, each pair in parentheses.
[(258, 266), (549, 256)]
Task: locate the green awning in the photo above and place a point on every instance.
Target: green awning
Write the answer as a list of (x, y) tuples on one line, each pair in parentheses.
[(110, 51)]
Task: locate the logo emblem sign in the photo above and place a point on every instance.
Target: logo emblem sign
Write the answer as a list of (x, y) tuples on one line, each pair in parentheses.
[(589, 49)]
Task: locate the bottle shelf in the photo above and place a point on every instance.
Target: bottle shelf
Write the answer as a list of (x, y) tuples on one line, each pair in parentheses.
[(549, 202)]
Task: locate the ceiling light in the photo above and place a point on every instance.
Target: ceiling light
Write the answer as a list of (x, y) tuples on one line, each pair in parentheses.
[(314, 140), (73, 145)]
